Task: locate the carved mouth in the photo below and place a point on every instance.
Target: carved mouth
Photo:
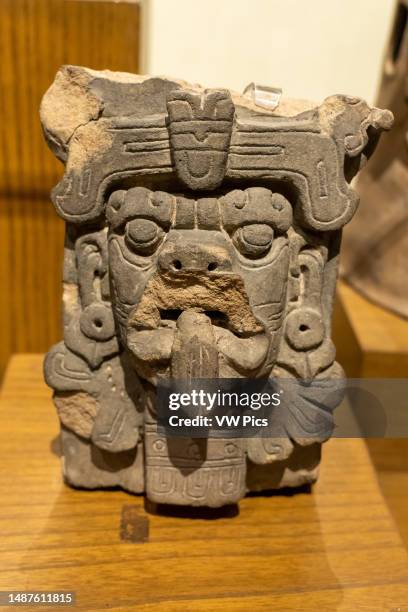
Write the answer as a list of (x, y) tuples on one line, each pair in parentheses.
[(155, 349), (169, 317), (211, 312), (222, 298)]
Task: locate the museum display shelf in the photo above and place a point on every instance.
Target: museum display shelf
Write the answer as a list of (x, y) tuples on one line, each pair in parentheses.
[(334, 548)]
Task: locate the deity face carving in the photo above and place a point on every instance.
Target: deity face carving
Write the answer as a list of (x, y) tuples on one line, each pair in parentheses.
[(202, 241), (223, 259)]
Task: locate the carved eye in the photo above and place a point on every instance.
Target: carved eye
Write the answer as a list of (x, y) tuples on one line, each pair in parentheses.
[(143, 236), (254, 240)]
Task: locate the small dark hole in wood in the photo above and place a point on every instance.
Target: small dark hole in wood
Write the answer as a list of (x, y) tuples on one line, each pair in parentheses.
[(304, 328), (177, 264), (134, 525), (212, 266), (98, 323)]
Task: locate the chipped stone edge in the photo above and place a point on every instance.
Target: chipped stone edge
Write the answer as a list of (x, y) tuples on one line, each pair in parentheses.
[(70, 103)]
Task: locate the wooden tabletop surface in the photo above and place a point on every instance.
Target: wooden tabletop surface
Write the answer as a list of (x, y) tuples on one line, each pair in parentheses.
[(371, 342), (336, 548)]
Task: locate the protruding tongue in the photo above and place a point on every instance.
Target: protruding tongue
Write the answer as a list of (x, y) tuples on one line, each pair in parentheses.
[(194, 354), (199, 472)]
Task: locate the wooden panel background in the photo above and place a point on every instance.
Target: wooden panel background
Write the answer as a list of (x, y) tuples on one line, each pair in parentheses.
[(36, 38)]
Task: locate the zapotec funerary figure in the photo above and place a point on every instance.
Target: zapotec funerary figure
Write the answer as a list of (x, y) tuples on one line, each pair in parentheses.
[(202, 238)]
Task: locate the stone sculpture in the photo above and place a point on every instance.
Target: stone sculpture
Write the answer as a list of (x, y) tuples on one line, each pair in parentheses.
[(375, 255), (202, 240)]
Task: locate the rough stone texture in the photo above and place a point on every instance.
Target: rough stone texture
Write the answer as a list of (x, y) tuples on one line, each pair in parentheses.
[(375, 255), (77, 411), (202, 241)]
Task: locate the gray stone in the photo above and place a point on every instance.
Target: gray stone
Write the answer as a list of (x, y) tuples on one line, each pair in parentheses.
[(202, 241)]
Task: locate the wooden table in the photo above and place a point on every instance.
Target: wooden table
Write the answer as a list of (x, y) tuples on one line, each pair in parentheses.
[(334, 549), (371, 342)]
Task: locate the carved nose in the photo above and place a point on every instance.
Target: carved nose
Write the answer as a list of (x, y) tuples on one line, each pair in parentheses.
[(194, 258)]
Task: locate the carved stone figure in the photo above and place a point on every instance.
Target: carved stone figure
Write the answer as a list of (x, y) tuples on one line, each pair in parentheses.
[(375, 255), (202, 241)]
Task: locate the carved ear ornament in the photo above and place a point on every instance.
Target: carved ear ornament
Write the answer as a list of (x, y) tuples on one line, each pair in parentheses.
[(90, 327)]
